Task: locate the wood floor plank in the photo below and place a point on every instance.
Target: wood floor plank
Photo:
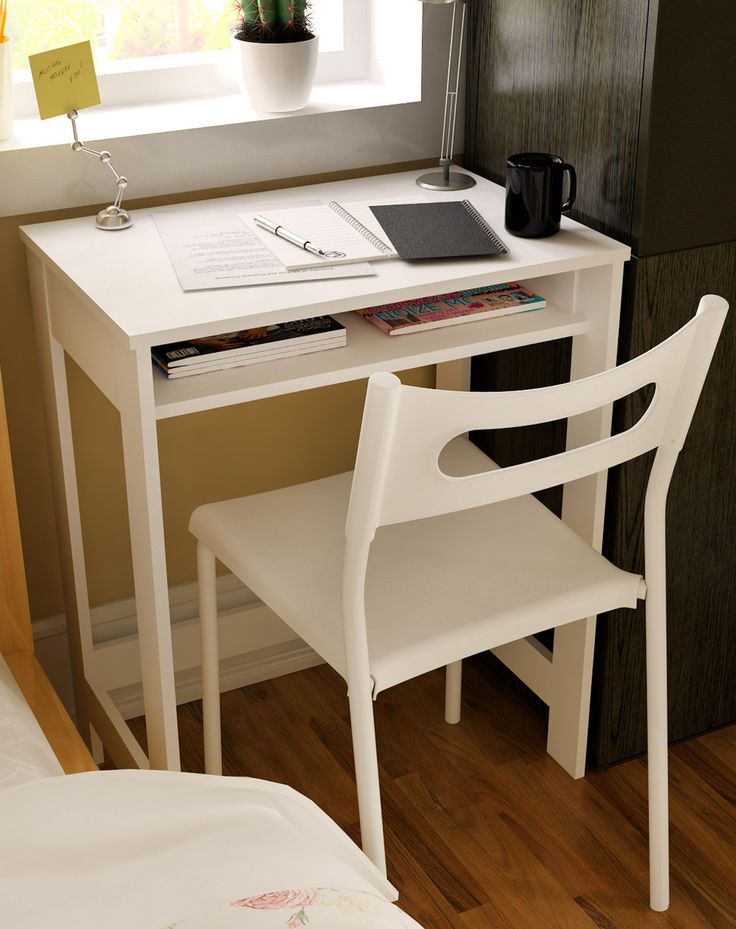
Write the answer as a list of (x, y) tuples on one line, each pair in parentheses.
[(522, 892), (562, 821), (483, 829)]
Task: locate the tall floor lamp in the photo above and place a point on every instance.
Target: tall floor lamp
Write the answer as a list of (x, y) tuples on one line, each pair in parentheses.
[(446, 179)]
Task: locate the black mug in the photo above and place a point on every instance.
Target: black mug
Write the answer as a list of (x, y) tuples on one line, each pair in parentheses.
[(534, 182)]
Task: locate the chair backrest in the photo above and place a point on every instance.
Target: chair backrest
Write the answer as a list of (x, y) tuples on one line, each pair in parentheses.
[(397, 475)]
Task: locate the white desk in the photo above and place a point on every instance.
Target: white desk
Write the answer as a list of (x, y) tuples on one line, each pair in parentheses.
[(106, 298)]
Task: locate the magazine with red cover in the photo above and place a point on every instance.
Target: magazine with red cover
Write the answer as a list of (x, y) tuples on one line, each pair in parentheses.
[(449, 309)]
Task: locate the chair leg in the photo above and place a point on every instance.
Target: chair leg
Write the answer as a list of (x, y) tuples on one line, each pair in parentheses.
[(657, 749), (453, 691), (366, 776), (210, 660)]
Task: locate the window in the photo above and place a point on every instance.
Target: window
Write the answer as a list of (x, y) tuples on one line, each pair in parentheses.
[(148, 50)]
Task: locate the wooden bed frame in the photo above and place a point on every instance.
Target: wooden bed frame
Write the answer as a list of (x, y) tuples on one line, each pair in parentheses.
[(16, 637)]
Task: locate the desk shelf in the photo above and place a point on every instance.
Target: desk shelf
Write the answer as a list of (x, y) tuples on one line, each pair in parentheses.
[(368, 350)]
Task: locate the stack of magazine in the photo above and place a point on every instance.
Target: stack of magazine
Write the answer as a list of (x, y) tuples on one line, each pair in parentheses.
[(493, 300), (248, 346)]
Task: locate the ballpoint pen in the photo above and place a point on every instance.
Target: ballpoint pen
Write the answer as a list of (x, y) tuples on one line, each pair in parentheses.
[(295, 239)]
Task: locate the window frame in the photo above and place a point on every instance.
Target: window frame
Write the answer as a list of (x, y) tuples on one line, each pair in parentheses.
[(172, 78)]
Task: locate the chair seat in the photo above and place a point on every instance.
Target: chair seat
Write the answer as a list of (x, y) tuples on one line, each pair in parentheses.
[(437, 590)]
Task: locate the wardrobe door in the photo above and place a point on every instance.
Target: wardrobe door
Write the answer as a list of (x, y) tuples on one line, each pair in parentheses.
[(701, 525), (640, 95), (685, 195)]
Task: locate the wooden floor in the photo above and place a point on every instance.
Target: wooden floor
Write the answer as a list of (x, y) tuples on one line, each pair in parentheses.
[(484, 830)]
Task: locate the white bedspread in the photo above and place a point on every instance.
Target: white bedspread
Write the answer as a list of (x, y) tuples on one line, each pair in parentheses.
[(145, 849), (25, 755)]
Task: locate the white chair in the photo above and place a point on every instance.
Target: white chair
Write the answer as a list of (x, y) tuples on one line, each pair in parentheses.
[(429, 552)]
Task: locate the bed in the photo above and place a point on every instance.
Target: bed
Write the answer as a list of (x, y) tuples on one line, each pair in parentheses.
[(83, 848)]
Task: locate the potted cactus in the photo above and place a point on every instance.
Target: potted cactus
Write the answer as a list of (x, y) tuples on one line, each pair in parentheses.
[(277, 51)]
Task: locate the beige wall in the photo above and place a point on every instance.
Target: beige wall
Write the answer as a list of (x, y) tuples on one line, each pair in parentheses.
[(204, 456)]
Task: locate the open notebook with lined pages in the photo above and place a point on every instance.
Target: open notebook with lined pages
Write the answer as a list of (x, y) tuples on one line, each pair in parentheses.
[(350, 228), (368, 231)]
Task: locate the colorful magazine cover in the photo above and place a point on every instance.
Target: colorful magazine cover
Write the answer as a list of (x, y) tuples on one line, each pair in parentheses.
[(448, 309)]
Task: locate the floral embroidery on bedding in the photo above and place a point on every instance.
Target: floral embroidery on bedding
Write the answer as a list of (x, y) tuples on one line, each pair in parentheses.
[(302, 908), (299, 900)]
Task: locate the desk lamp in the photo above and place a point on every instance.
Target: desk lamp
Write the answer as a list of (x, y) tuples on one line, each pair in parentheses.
[(114, 216), (446, 179)]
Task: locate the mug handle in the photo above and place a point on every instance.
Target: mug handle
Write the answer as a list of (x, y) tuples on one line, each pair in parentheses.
[(567, 205)]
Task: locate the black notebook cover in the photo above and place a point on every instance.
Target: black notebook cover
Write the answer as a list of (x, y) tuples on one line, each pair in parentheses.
[(453, 229)]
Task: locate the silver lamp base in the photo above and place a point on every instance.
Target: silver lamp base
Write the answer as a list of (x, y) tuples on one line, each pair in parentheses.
[(438, 180), (113, 218)]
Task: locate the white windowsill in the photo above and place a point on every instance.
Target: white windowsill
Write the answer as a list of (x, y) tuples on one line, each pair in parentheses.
[(128, 122), (393, 117)]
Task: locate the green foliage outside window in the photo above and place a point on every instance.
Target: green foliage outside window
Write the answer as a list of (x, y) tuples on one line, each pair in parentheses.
[(33, 30), (148, 28), (121, 29)]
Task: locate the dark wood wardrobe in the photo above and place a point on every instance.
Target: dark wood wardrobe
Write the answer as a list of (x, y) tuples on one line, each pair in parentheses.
[(640, 95)]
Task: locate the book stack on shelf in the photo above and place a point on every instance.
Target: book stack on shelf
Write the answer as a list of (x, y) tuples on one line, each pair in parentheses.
[(449, 309), (248, 346)]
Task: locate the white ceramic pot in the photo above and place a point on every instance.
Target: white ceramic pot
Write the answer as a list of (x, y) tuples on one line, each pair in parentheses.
[(277, 77), (6, 89)]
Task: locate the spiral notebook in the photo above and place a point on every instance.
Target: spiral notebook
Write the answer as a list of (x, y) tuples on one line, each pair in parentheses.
[(453, 229), (366, 231)]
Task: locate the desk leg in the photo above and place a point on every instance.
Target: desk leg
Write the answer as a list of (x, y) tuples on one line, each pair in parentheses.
[(597, 296), (143, 484), (453, 375), (66, 496)]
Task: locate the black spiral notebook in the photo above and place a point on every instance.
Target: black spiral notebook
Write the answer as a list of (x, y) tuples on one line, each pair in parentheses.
[(453, 229)]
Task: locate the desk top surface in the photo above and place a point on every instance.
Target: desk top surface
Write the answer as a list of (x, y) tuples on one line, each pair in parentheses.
[(126, 279)]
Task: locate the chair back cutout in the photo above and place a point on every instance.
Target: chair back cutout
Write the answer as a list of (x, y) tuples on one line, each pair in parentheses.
[(397, 475)]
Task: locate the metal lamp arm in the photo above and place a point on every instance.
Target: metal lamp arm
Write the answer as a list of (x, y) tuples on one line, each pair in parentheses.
[(112, 217), (452, 90), (446, 179)]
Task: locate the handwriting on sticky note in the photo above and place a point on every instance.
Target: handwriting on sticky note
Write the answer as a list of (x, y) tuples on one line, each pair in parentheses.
[(64, 79)]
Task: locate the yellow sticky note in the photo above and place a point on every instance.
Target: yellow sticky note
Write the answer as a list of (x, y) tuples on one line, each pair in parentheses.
[(64, 79)]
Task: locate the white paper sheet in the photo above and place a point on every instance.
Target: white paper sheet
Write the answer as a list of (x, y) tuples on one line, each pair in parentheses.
[(213, 250)]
